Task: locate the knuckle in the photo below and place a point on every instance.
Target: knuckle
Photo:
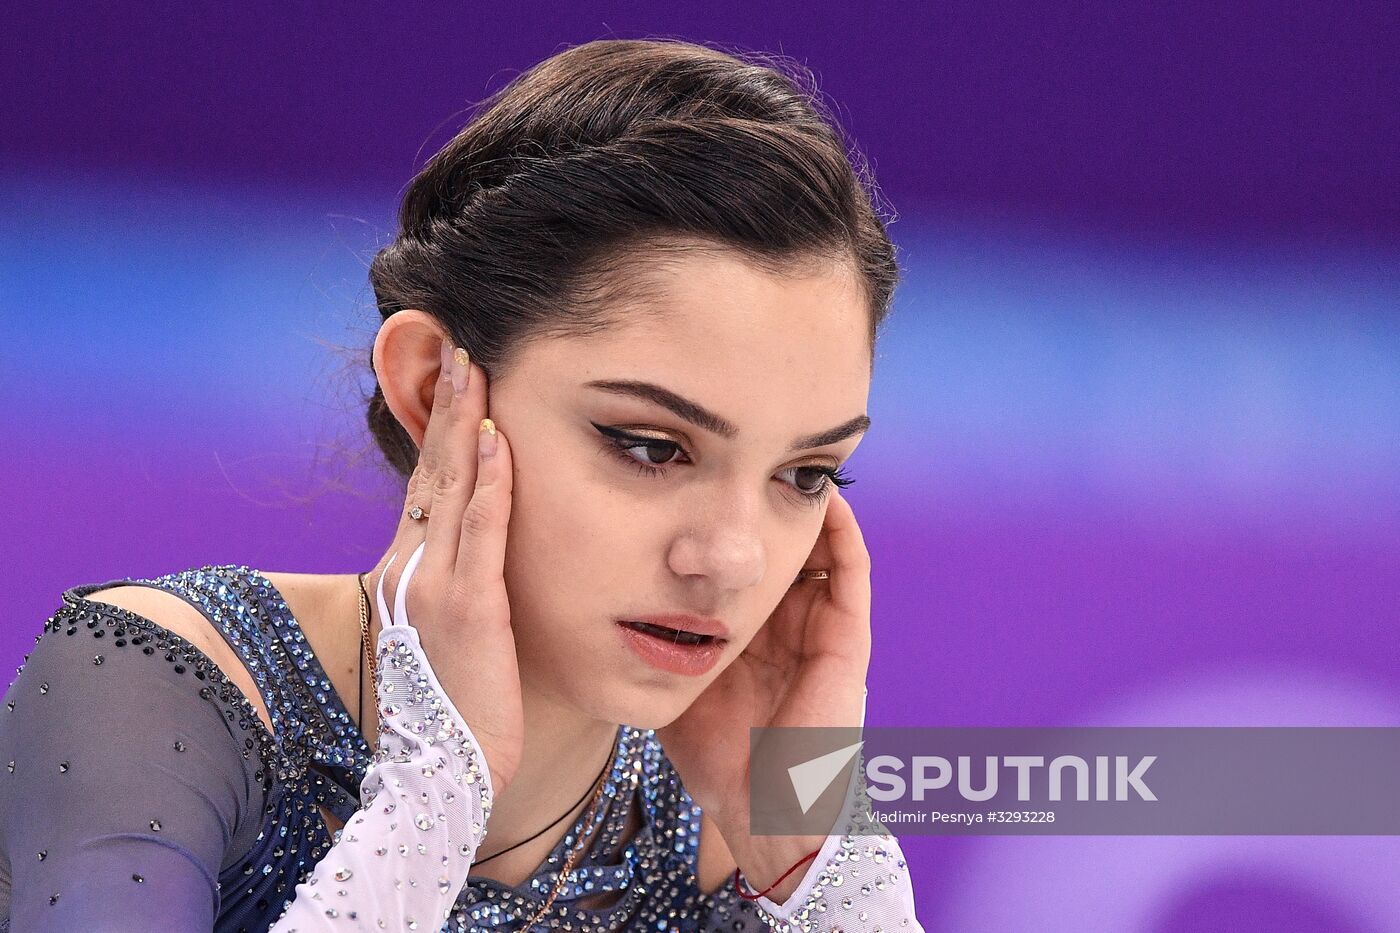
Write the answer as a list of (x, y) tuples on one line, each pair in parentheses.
[(477, 519), (445, 479), (421, 481), (456, 597), (415, 482)]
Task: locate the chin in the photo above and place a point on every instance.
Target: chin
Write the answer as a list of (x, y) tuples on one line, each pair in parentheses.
[(654, 716), (642, 706)]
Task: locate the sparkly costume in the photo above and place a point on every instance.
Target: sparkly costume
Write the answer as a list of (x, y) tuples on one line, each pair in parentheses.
[(141, 790)]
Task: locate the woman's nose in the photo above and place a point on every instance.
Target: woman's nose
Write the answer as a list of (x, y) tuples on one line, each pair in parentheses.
[(726, 548)]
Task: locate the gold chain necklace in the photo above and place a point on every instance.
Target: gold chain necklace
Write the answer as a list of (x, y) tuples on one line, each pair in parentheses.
[(371, 662), (372, 665)]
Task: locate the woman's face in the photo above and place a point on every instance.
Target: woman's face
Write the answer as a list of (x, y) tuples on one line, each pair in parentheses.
[(722, 521)]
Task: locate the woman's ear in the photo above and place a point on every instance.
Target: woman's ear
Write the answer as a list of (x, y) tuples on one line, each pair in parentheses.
[(407, 360)]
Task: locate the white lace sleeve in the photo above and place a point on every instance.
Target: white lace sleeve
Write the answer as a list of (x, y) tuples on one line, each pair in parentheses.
[(403, 857), (858, 880)]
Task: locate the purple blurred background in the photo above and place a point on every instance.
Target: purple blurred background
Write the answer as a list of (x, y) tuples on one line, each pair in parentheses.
[(1136, 455)]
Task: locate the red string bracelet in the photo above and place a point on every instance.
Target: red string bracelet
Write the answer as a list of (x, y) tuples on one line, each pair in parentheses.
[(754, 897)]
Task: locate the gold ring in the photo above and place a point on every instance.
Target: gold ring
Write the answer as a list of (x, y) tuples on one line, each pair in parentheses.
[(814, 575), (417, 514)]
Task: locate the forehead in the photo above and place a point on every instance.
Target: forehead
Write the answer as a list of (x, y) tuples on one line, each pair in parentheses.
[(734, 337)]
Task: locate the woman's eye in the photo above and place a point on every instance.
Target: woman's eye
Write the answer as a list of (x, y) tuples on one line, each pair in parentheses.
[(813, 482), (650, 456), (654, 453)]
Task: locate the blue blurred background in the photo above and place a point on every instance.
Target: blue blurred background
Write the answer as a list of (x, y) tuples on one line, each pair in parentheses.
[(1136, 456)]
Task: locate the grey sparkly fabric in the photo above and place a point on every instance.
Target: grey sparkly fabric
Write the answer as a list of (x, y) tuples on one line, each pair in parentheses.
[(141, 790)]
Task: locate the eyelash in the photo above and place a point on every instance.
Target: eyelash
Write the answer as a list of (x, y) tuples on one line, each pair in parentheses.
[(620, 443)]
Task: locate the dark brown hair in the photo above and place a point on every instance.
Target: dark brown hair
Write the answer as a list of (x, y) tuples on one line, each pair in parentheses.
[(531, 221)]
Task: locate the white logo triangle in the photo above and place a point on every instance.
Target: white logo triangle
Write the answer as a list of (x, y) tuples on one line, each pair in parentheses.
[(811, 778)]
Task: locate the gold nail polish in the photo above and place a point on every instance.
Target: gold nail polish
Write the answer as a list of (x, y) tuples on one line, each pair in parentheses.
[(488, 425), (460, 373)]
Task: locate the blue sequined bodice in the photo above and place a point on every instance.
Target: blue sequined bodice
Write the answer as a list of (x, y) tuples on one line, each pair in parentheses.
[(315, 756)]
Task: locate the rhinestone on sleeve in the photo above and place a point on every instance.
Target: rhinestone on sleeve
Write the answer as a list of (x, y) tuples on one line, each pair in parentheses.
[(859, 880)]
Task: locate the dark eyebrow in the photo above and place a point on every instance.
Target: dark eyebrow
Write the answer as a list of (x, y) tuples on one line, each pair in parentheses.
[(702, 417), (833, 435)]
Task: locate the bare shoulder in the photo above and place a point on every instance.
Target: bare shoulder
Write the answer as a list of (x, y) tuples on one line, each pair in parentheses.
[(175, 614)]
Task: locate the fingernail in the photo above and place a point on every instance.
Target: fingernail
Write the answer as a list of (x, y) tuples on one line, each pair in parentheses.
[(446, 353), (486, 440), (461, 371)]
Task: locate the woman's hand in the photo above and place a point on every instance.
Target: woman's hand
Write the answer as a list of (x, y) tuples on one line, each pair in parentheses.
[(456, 597), (805, 667)]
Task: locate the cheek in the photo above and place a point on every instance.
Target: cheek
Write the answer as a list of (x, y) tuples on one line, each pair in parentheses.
[(789, 557), (575, 549)]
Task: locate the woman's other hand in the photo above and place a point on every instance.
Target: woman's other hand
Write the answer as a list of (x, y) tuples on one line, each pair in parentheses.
[(456, 596), (806, 667)]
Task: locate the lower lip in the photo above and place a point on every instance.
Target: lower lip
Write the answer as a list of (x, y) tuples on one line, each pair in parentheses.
[(693, 660)]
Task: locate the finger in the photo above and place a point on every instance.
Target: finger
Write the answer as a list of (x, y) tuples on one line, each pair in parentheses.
[(420, 482), (850, 560), (480, 570), (819, 558), (455, 469), (841, 626), (433, 462)]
